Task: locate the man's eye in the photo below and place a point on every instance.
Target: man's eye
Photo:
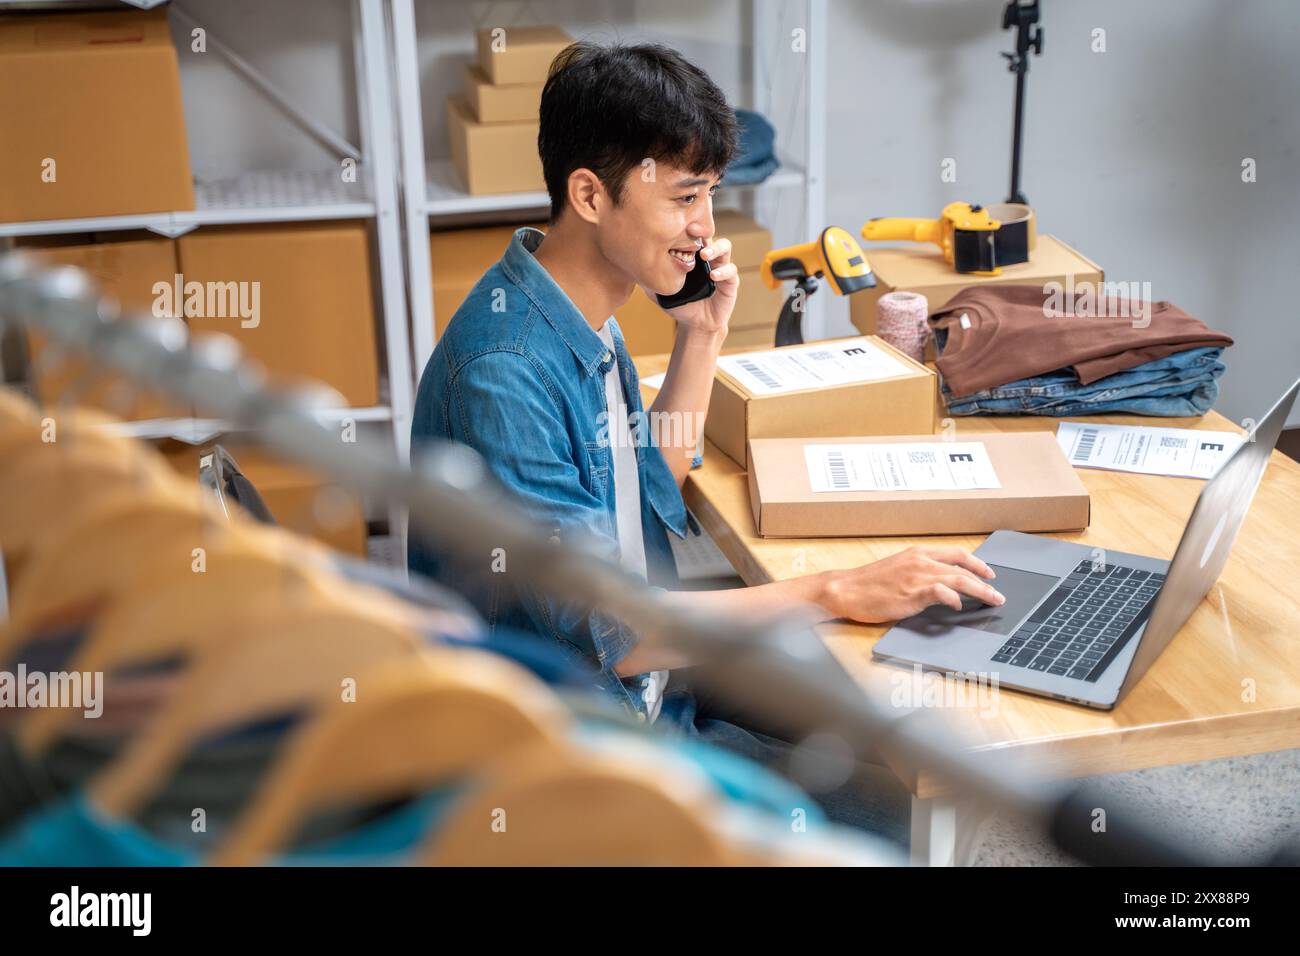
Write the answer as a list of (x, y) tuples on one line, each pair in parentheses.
[(687, 199)]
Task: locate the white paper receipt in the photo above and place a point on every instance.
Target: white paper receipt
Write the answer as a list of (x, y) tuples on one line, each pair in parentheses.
[(1178, 452), (900, 466), (813, 366)]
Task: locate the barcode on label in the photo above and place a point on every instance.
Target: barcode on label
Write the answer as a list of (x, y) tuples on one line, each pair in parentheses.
[(758, 373), (839, 471), (921, 457), (1087, 438), (1173, 441)]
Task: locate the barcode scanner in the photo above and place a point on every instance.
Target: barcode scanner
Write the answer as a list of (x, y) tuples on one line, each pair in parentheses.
[(699, 285)]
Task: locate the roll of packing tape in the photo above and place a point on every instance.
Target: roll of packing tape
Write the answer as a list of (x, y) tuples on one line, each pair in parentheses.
[(902, 321), (1017, 219)]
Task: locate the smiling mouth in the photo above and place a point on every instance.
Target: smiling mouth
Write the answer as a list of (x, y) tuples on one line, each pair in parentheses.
[(684, 256)]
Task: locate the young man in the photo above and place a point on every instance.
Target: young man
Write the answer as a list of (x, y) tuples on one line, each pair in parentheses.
[(532, 373)]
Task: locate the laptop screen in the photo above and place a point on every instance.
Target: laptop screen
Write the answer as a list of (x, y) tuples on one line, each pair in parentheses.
[(1207, 540)]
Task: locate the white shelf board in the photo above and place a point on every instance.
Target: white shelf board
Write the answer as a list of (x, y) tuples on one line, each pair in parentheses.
[(196, 431), (254, 197), (445, 196)]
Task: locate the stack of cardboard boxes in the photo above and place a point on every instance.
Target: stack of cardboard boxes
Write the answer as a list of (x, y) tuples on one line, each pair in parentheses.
[(493, 125), (838, 439)]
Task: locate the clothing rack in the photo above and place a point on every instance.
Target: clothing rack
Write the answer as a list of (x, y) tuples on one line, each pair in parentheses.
[(451, 497)]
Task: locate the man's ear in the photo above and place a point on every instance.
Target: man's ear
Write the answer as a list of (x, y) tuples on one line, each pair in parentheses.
[(587, 195)]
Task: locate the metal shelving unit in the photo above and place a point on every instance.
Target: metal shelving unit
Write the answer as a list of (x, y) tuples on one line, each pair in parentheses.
[(432, 192), (280, 196)]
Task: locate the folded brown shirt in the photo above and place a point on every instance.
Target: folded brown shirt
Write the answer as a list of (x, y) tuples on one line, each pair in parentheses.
[(1012, 333)]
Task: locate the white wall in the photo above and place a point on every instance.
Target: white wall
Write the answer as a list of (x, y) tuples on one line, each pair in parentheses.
[(303, 46), (1132, 155)]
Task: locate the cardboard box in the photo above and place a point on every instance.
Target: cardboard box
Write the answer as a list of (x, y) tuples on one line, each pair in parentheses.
[(757, 306), (309, 285), (750, 240), (126, 271), (757, 337), (902, 404), (493, 157), (91, 117), (647, 329), (921, 268), (1040, 492), (519, 54), (501, 103), (457, 260), (300, 499)]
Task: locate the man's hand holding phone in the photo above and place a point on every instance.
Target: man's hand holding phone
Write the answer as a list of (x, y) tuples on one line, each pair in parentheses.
[(709, 315)]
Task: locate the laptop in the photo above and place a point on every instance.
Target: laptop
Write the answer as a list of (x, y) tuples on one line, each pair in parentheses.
[(1081, 624)]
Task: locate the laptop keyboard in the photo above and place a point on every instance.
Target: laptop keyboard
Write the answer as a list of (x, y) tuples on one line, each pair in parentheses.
[(1084, 623)]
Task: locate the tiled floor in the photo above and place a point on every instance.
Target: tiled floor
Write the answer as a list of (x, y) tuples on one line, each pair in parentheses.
[(1241, 808)]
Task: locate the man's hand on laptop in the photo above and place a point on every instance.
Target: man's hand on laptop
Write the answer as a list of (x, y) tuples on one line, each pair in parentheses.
[(907, 583)]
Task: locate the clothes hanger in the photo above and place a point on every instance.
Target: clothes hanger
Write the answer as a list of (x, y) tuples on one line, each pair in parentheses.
[(276, 662), (16, 409), (414, 726), (84, 560), (47, 483), (543, 808), (168, 608), (21, 435), (49, 432)]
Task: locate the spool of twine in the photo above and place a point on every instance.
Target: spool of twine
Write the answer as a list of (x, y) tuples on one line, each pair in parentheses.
[(901, 321)]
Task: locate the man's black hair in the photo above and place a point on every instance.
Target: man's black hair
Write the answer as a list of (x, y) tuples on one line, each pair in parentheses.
[(608, 108)]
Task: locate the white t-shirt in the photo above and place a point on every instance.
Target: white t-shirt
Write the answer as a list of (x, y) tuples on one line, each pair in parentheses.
[(627, 500)]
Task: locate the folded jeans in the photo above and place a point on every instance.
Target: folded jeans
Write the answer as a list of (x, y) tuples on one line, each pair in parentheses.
[(1183, 384)]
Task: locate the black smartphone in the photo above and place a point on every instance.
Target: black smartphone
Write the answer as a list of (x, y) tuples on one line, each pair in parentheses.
[(699, 285)]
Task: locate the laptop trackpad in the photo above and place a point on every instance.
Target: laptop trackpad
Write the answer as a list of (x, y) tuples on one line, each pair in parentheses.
[(1022, 589)]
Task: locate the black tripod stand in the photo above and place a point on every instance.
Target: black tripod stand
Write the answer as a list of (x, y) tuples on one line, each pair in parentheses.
[(1029, 37)]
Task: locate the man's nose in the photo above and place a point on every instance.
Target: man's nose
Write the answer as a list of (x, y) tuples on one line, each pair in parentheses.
[(702, 226)]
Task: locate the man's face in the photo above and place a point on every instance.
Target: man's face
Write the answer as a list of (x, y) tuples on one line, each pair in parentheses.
[(665, 217)]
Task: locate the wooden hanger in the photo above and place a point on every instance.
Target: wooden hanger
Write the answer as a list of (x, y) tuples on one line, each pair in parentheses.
[(82, 562), (414, 725), (273, 663), (16, 409), (49, 483), (543, 808), (26, 431), (168, 607)]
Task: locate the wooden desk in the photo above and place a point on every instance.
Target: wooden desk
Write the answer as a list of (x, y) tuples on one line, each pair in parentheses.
[(1228, 684)]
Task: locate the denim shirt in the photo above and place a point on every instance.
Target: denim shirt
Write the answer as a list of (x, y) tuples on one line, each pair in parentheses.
[(519, 376)]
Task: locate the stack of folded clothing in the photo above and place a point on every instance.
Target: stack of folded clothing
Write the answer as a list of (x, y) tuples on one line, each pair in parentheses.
[(1004, 350)]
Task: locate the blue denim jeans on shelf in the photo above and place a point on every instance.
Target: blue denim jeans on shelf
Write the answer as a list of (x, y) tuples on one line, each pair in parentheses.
[(1183, 384)]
